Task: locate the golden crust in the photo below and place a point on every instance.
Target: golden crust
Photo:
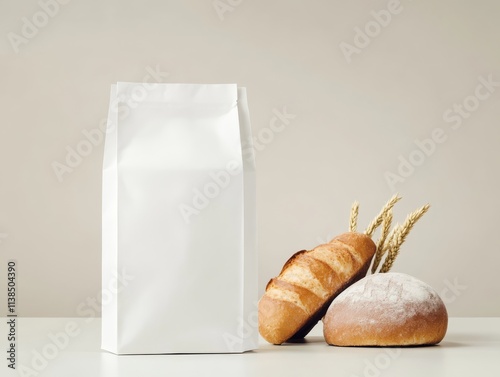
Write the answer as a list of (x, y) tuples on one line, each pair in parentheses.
[(368, 319), (421, 330), (308, 282)]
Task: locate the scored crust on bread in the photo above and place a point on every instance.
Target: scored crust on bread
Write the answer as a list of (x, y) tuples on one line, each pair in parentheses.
[(386, 309), (299, 296)]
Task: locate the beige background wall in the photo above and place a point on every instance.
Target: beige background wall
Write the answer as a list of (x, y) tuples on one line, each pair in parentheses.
[(354, 122)]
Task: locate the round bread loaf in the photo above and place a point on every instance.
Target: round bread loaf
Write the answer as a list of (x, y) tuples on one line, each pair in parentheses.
[(386, 309)]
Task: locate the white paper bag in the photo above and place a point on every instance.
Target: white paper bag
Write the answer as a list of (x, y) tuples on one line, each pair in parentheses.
[(179, 245)]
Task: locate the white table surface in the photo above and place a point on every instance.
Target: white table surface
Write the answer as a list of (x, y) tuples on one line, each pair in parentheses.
[(470, 348)]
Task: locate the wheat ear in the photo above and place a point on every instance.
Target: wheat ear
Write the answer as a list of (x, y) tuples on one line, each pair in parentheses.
[(382, 246), (353, 220), (389, 241), (378, 220), (399, 236)]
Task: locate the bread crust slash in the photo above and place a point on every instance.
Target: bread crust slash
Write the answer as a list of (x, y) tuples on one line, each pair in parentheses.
[(299, 296)]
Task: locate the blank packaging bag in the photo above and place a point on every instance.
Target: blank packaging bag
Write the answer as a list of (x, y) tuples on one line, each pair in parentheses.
[(178, 240)]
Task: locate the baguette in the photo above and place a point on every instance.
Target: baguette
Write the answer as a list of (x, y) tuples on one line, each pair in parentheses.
[(299, 297)]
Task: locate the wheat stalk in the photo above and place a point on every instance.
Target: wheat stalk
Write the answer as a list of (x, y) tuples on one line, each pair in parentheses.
[(389, 242), (378, 220), (353, 220), (382, 246), (392, 253), (399, 236)]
